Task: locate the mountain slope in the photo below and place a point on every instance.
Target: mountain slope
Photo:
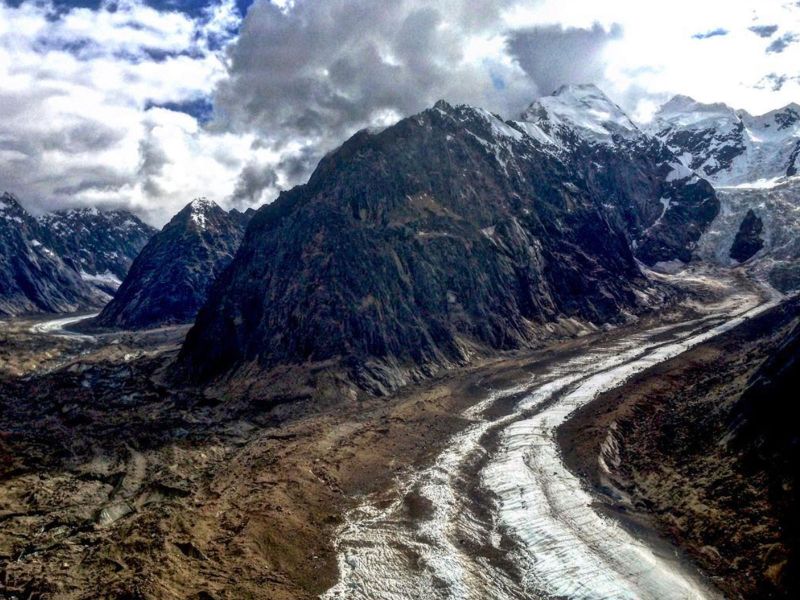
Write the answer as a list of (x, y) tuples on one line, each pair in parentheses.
[(703, 446), (776, 256), (33, 278), (448, 233), (169, 280), (100, 245), (662, 205)]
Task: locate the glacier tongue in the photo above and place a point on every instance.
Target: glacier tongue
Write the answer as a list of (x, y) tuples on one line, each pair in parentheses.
[(540, 536)]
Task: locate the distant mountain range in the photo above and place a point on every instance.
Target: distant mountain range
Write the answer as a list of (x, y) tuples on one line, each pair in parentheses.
[(449, 233), (64, 261), (752, 161), (730, 147)]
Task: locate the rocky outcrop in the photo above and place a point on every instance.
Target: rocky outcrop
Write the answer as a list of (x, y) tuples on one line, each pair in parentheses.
[(748, 239), (33, 277), (169, 280), (449, 233)]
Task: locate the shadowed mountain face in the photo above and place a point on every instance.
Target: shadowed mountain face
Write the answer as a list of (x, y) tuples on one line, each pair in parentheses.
[(748, 239), (100, 245), (445, 234), (767, 439), (33, 278), (169, 280), (66, 260), (662, 205)]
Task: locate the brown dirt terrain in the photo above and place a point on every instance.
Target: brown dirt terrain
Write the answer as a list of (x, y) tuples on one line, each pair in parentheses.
[(664, 438)]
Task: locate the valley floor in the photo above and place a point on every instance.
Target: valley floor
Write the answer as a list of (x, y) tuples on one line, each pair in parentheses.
[(114, 484)]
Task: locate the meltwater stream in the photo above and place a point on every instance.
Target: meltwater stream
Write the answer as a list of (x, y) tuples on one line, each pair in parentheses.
[(499, 516)]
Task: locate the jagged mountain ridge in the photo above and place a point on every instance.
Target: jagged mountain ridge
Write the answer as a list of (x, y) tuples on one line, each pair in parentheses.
[(33, 278), (99, 245), (169, 280), (451, 231), (63, 261), (728, 146), (630, 168), (752, 161)]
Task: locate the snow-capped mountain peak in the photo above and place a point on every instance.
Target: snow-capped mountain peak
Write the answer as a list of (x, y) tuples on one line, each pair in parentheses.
[(583, 110), (199, 209), (727, 146), (686, 112)]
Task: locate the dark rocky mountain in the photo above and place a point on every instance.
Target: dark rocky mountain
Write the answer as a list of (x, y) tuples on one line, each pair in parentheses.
[(33, 278), (748, 239), (100, 245), (169, 280), (727, 146), (447, 234)]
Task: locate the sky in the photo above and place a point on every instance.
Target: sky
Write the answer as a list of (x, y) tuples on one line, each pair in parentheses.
[(147, 104)]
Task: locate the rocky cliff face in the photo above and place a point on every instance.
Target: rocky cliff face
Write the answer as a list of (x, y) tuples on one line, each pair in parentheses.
[(748, 239), (33, 277), (169, 280), (99, 245), (448, 233)]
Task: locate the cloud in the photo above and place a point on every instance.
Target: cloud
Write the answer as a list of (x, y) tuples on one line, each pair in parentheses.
[(780, 44), (554, 55), (718, 32), (311, 75), (775, 82), (81, 103), (764, 31), (253, 180), (148, 103)]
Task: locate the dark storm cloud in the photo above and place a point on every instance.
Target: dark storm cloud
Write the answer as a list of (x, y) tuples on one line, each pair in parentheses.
[(252, 181), (764, 31), (153, 159), (780, 44), (775, 82), (710, 34), (88, 136), (294, 167), (323, 70), (553, 56)]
